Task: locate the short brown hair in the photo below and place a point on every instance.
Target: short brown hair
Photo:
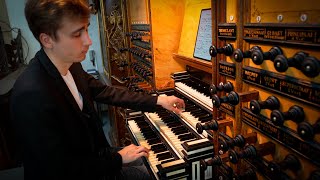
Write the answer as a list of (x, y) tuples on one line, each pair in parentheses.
[(45, 16)]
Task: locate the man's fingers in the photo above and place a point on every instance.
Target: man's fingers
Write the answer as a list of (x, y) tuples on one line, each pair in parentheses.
[(143, 153), (142, 149)]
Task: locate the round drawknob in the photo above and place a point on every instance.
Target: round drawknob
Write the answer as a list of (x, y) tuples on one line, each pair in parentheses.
[(281, 63), (315, 175), (213, 51), (224, 145), (215, 161), (232, 98), (258, 56), (233, 156), (213, 89), (295, 113), (216, 100), (308, 131), (239, 141), (238, 55), (274, 167), (290, 162), (247, 152), (227, 87), (227, 50), (271, 103), (305, 130), (255, 106), (213, 125), (310, 67)]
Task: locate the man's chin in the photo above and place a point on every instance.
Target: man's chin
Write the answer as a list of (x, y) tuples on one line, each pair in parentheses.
[(81, 58)]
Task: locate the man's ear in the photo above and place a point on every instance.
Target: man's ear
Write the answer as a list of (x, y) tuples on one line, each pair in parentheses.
[(46, 40)]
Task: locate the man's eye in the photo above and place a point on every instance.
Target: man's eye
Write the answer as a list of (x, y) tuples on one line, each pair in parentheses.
[(77, 34)]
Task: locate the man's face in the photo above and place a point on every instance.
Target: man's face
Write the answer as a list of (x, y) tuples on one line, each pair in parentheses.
[(72, 41)]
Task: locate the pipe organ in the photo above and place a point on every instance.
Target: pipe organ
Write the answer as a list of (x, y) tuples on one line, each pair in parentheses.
[(252, 110)]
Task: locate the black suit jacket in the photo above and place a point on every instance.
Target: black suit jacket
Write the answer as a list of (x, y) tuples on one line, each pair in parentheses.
[(57, 139)]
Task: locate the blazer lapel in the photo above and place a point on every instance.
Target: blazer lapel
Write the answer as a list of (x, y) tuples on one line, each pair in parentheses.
[(61, 85), (63, 88)]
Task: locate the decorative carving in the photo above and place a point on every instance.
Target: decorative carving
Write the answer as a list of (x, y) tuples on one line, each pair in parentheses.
[(115, 37)]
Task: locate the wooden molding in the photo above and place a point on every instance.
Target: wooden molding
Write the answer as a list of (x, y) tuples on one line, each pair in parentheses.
[(194, 62)]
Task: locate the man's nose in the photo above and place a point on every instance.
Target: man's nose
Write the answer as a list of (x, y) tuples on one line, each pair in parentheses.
[(87, 40)]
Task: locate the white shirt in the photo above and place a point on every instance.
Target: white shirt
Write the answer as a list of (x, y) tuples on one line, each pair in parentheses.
[(68, 79)]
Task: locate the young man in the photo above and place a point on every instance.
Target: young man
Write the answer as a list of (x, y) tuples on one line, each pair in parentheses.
[(57, 128)]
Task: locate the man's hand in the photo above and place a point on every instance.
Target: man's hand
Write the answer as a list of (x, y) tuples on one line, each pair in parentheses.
[(132, 152), (171, 103)]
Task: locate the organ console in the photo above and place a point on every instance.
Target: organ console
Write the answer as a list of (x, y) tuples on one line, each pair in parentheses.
[(226, 50), (307, 131), (271, 103), (295, 113), (227, 87), (251, 151), (258, 56), (290, 162), (181, 143)]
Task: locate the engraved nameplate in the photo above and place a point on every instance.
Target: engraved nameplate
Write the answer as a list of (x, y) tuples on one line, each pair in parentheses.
[(227, 31), (140, 27), (227, 69), (227, 108), (283, 135), (305, 91), (305, 35)]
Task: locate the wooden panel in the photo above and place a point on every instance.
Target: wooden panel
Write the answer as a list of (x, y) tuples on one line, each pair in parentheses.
[(242, 12), (231, 13), (190, 25), (166, 24), (139, 13), (291, 10), (194, 62)]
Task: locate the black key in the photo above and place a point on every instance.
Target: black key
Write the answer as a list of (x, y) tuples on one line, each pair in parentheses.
[(154, 141), (163, 156)]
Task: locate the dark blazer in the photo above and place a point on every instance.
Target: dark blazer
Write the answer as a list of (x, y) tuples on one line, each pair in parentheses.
[(57, 139)]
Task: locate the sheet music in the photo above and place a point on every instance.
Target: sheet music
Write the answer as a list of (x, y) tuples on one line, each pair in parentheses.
[(204, 36)]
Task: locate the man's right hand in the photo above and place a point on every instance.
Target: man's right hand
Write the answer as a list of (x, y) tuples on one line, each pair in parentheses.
[(132, 152)]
